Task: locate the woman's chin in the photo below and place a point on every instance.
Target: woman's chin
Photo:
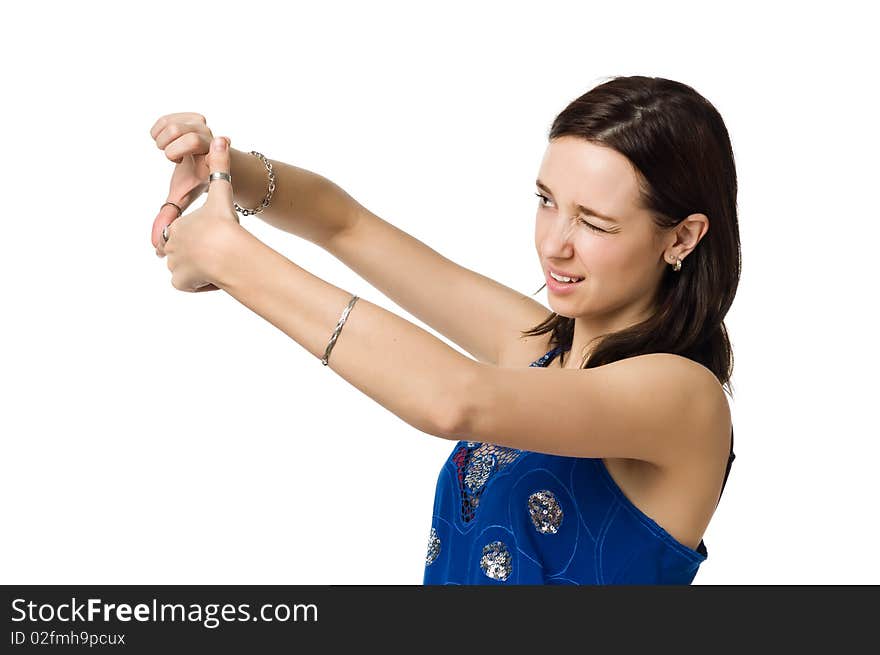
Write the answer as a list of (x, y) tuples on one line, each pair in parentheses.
[(564, 312)]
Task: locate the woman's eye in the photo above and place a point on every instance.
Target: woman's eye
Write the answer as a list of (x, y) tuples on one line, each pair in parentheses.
[(591, 226), (544, 199)]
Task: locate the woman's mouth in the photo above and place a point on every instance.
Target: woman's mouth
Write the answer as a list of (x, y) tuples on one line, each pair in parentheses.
[(559, 286)]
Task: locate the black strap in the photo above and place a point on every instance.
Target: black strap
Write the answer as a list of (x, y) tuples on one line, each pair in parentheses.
[(701, 547), (730, 459)]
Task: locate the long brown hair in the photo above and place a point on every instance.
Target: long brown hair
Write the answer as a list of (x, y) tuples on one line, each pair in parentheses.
[(681, 150)]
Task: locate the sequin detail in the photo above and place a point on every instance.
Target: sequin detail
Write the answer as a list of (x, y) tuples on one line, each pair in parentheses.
[(478, 470), (433, 547), (475, 467), (496, 561), (545, 512)]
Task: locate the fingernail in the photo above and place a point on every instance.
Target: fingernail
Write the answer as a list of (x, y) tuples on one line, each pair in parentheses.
[(220, 143)]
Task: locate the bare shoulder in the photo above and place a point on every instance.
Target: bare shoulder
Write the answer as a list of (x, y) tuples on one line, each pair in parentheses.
[(710, 411), (700, 433)]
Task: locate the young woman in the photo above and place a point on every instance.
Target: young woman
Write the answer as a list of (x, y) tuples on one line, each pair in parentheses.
[(604, 467)]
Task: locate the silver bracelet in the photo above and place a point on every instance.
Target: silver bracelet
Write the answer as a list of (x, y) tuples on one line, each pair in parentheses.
[(338, 329), (244, 210)]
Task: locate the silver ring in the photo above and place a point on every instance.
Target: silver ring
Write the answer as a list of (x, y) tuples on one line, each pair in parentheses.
[(220, 176), (175, 205), (165, 233)]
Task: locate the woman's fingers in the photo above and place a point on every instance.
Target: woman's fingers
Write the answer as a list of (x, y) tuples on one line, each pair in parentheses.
[(185, 138), (182, 134), (167, 214), (179, 135), (172, 131), (163, 121), (196, 142), (179, 140)]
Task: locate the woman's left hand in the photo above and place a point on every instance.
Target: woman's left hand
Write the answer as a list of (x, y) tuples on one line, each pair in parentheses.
[(197, 242)]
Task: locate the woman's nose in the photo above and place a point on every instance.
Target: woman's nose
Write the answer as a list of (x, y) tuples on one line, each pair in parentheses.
[(558, 238)]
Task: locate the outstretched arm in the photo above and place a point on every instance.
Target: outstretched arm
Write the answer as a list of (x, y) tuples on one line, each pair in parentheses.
[(399, 365)]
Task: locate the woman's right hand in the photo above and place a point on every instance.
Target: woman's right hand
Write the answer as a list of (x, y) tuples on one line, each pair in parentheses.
[(186, 139)]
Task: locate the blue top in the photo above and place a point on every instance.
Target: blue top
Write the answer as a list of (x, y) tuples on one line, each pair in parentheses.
[(509, 516)]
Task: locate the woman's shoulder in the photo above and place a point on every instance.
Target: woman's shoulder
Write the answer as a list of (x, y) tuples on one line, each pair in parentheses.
[(711, 419), (709, 399)]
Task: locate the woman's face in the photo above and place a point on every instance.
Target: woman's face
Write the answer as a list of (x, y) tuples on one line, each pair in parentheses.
[(621, 256)]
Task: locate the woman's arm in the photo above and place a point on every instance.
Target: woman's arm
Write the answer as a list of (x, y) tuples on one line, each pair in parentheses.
[(396, 363), (476, 312), (304, 203)]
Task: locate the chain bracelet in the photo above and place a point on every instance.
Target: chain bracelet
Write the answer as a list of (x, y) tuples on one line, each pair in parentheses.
[(265, 203)]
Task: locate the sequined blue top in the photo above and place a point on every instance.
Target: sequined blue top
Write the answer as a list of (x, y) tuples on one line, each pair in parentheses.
[(508, 516)]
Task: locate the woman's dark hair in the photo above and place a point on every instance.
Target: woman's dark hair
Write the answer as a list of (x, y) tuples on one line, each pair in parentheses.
[(680, 148)]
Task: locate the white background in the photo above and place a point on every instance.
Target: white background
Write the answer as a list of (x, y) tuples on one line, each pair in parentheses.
[(155, 436)]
